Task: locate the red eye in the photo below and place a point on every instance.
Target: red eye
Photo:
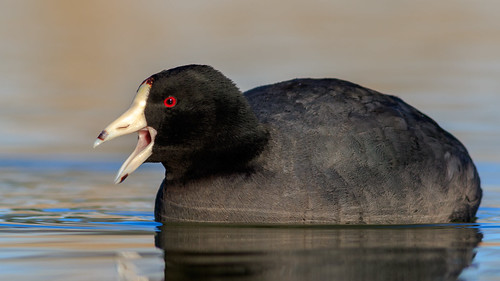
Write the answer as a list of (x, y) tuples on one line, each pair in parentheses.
[(170, 102)]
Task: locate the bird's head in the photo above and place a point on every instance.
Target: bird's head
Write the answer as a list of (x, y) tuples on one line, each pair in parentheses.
[(187, 117)]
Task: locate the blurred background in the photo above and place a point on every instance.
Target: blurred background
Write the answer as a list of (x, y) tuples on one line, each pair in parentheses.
[(68, 68)]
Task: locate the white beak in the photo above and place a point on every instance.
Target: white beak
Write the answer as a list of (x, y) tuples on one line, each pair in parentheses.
[(133, 120)]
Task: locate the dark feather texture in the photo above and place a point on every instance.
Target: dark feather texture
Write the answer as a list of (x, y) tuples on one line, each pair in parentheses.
[(302, 151)]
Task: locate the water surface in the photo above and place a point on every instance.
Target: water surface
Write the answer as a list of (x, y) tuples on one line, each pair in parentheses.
[(65, 220)]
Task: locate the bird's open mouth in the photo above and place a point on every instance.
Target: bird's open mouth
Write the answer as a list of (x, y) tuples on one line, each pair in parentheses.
[(133, 120), (141, 153)]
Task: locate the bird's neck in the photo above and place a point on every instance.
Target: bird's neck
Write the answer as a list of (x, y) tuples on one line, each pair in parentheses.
[(230, 149)]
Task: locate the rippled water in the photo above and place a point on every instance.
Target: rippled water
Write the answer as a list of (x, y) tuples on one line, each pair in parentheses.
[(64, 219)]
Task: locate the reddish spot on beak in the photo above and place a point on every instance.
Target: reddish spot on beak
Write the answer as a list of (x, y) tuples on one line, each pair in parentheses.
[(123, 178), (103, 135), (148, 81)]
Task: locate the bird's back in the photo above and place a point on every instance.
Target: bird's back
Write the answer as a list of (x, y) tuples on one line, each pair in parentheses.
[(363, 156)]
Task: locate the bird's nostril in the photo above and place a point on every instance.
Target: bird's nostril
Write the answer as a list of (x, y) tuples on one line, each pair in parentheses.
[(123, 127)]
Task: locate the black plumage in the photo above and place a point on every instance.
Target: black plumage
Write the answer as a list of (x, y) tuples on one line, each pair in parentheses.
[(302, 151)]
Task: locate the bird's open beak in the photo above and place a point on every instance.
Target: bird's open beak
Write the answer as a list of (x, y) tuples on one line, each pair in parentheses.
[(133, 120)]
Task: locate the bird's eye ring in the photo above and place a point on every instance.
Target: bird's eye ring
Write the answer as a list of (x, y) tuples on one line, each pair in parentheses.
[(170, 102)]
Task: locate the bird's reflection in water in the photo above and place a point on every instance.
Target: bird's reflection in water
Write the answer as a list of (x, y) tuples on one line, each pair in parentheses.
[(209, 252)]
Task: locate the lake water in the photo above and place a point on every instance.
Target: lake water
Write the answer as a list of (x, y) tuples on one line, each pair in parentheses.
[(69, 68), (64, 220)]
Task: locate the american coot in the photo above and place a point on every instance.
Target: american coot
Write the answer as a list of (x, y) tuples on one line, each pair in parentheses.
[(300, 151)]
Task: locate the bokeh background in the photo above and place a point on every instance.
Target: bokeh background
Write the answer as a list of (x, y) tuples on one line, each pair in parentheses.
[(68, 68)]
